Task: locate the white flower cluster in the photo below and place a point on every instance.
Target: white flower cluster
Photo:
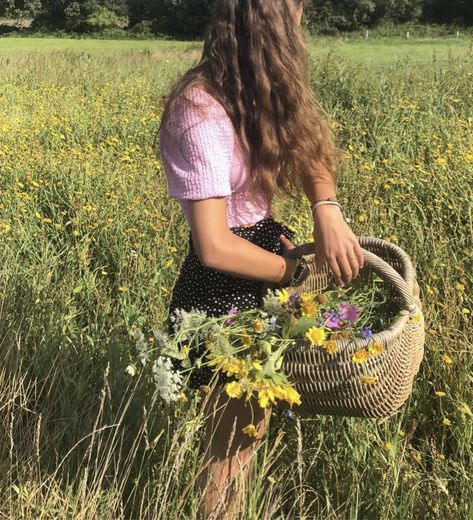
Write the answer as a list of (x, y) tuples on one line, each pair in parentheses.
[(142, 346), (168, 382), (183, 320), (272, 305)]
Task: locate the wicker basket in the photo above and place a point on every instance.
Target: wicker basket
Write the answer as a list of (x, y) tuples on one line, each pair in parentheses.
[(329, 384)]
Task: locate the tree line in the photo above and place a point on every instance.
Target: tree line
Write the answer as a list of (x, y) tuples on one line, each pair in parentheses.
[(188, 18)]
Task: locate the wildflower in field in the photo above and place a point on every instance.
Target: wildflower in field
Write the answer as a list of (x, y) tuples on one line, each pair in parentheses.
[(388, 446), (131, 370), (464, 409), (446, 421), (459, 287), (447, 359), (234, 389), (315, 335), (250, 430), (368, 380), (375, 349), (168, 382), (330, 346), (360, 356), (141, 346), (439, 393)]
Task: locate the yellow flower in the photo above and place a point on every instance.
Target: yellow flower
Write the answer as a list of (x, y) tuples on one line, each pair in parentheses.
[(330, 346), (459, 287), (291, 395), (245, 338), (257, 365), (440, 393), (266, 394), (315, 335), (446, 422), (258, 326), (249, 430), (415, 318), (447, 359), (388, 446), (465, 310), (308, 308), (283, 295), (361, 356), (368, 380), (234, 389), (375, 348)]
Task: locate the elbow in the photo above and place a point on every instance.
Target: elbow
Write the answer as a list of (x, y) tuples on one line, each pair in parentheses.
[(210, 254)]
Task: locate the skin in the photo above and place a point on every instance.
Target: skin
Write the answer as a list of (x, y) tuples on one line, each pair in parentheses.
[(217, 247)]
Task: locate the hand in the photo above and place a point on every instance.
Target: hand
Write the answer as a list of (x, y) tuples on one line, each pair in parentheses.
[(336, 244), (288, 246)]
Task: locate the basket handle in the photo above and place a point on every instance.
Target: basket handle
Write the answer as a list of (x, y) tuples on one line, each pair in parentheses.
[(377, 264)]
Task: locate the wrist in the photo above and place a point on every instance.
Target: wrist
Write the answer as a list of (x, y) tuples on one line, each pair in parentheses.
[(289, 269)]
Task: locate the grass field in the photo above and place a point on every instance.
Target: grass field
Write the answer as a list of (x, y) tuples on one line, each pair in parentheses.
[(91, 244)]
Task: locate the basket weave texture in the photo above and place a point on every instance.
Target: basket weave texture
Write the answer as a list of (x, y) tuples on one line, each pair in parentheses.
[(329, 384)]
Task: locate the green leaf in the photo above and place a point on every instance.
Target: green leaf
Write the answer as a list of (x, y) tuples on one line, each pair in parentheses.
[(303, 324)]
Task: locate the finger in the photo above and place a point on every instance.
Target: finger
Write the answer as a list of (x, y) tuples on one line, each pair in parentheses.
[(333, 264), (354, 264), (359, 254), (286, 242), (345, 268)]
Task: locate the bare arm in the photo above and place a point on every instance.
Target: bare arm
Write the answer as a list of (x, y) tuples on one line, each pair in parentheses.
[(335, 243), (217, 247)]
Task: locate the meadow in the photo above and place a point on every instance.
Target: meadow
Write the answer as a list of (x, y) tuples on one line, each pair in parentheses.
[(90, 245)]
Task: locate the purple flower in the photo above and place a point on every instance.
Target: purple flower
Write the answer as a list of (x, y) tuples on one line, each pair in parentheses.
[(231, 312), (332, 320), (294, 299), (366, 332), (348, 312), (289, 413)]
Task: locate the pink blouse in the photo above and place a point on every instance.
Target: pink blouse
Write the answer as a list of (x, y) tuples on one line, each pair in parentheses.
[(203, 157)]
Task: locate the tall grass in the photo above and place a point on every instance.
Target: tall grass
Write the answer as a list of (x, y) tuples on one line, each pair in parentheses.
[(91, 244)]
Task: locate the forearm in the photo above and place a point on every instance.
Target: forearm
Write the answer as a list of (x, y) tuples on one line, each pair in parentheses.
[(319, 186), (240, 257)]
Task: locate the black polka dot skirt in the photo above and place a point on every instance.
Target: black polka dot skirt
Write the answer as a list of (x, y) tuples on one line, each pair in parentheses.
[(215, 292)]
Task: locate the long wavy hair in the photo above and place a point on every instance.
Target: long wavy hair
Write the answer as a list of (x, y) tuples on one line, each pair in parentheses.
[(255, 63)]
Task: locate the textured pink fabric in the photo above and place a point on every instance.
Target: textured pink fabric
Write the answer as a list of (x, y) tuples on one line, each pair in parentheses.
[(202, 158)]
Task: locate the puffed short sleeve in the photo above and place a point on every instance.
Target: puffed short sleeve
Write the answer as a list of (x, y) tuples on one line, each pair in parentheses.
[(196, 146)]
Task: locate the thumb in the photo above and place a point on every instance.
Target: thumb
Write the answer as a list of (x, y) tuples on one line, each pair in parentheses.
[(287, 244)]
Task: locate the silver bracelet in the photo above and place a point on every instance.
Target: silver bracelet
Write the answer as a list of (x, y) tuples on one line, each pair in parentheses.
[(320, 203)]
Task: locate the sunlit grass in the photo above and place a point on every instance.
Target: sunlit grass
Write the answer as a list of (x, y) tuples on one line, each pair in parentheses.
[(91, 244)]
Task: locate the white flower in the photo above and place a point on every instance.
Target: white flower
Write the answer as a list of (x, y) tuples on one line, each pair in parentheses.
[(183, 320), (272, 325), (162, 338), (130, 369), (141, 345), (272, 305), (168, 382)]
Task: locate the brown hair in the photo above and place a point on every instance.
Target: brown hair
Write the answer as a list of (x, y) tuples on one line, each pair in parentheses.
[(254, 62)]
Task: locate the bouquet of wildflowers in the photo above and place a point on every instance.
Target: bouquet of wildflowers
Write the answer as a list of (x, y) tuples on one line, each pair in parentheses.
[(248, 346)]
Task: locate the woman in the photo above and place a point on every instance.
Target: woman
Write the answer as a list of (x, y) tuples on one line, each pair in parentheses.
[(238, 128)]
